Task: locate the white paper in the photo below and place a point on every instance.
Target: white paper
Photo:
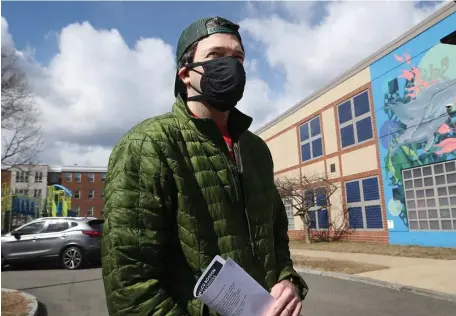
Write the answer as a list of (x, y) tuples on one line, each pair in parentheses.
[(230, 291)]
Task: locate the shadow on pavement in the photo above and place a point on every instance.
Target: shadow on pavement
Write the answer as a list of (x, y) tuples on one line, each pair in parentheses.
[(36, 266), (42, 310)]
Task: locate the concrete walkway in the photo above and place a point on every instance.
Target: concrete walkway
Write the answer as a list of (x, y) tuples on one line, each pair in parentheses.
[(431, 274)]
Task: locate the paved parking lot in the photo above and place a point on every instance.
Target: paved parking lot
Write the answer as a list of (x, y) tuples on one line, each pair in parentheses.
[(81, 293)]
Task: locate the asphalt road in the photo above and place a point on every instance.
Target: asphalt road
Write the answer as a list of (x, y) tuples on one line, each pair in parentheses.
[(80, 293)]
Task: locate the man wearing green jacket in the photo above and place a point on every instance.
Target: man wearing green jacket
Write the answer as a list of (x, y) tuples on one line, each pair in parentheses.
[(191, 184)]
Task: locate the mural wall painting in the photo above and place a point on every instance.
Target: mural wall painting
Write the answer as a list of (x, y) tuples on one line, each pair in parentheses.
[(415, 105)]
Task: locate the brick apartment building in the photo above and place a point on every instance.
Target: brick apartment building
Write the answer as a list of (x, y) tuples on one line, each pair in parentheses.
[(87, 186)]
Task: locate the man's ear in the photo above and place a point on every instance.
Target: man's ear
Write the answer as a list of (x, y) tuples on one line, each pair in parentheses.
[(184, 75)]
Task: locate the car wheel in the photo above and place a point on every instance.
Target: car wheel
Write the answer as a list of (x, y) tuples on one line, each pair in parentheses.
[(72, 258)]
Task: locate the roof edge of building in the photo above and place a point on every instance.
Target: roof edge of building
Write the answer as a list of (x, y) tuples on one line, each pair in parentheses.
[(430, 21)]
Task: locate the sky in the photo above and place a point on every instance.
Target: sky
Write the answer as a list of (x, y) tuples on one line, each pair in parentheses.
[(96, 69)]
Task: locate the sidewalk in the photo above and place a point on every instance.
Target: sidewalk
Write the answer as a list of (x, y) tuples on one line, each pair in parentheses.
[(431, 274)]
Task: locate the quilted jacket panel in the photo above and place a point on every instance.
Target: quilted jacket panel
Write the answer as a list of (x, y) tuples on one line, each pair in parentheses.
[(174, 200)]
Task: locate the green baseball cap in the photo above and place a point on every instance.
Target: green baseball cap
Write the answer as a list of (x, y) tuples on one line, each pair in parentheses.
[(197, 31)]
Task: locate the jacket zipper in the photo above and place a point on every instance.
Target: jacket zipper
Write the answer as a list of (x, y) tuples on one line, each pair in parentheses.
[(252, 245)]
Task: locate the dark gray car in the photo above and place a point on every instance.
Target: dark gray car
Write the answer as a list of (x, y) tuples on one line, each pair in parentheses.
[(72, 240)]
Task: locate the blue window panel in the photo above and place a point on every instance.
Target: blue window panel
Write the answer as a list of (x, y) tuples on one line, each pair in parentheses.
[(374, 217), (361, 103), (305, 152), (317, 148), (315, 127), (345, 112), (323, 221), (309, 198), (370, 189), (304, 131), (347, 135), (355, 217), (321, 197), (364, 129), (352, 191), (312, 217)]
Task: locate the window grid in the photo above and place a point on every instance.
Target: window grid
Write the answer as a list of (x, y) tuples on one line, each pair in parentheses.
[(67, 177), (354, 121), (288, 203), (312, 196), (91, 194), (77, 177), (311, 139), (38, 176), (430, 197), (91, 177), (90, 211), (363, 204), (77, 194)]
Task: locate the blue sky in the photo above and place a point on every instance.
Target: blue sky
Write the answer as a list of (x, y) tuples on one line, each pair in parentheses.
[(296, 48)]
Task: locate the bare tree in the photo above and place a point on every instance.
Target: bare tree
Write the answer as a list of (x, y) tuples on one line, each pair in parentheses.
[(307, 194), (21, 134)]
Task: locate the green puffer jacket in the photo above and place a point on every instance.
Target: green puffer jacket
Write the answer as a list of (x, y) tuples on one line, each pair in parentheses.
[(174, 200)]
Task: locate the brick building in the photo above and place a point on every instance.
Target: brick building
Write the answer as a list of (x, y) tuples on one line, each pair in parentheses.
[(87, 187), (384, 134)]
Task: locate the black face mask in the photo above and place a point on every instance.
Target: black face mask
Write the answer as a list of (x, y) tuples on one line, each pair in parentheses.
[(222, 83)]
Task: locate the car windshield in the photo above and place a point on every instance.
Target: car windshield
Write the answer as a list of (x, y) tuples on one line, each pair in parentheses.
[(97, 224)]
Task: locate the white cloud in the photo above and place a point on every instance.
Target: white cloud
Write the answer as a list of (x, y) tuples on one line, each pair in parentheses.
[(313, 54), (96, 87)]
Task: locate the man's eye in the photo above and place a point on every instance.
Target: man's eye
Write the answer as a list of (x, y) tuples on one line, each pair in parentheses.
[(213, 54)]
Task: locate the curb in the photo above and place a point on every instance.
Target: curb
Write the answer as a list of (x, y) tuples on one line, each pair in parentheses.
[(390, 285), (33, 302)]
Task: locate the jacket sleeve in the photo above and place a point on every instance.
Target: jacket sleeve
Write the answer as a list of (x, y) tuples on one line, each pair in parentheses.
[(282, 250), (134, 234)]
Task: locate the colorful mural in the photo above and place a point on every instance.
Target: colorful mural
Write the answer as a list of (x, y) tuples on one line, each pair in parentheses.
[(414, 92)]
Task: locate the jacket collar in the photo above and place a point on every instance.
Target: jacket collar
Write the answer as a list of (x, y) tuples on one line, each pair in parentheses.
[(238, 122)]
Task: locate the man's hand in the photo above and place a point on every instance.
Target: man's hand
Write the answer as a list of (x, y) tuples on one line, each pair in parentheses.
[(288, 302)]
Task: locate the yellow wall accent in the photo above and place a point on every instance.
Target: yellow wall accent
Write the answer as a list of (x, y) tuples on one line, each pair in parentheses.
[(361, 160), (284, 150)]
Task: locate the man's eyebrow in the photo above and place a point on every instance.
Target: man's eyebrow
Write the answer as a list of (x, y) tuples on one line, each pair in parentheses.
[(221, 48)]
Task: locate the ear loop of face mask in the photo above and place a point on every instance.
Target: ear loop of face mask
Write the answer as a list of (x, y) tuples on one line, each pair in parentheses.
[(197, 90)]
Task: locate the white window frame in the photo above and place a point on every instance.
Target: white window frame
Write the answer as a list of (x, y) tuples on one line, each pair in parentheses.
[(103, 177), (77, 177), (90, 211), (288, 203), (91, 193), (77, 194), (355, 119), (38, 176), (91, 177), (78, 210), (364, 203), (102, 194), (311, 139), (68, 176)]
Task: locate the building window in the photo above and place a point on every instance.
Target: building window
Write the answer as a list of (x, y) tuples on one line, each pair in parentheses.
[(363, 203), (38, 176), (90, 211), (77, 177), (67, 177), (103, 177), (288, 203), (77, 194), (311, 140), (317, 208), (91, 177), (102, 194), (37, 193), (78, 210), (22, 176), (355, 121), (430, 196), (91, 194), (102, 212)]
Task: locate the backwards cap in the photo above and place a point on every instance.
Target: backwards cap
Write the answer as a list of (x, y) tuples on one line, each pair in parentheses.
[(197, 31)]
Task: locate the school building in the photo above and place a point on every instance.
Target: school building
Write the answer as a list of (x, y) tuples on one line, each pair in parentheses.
[(384, 133)]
